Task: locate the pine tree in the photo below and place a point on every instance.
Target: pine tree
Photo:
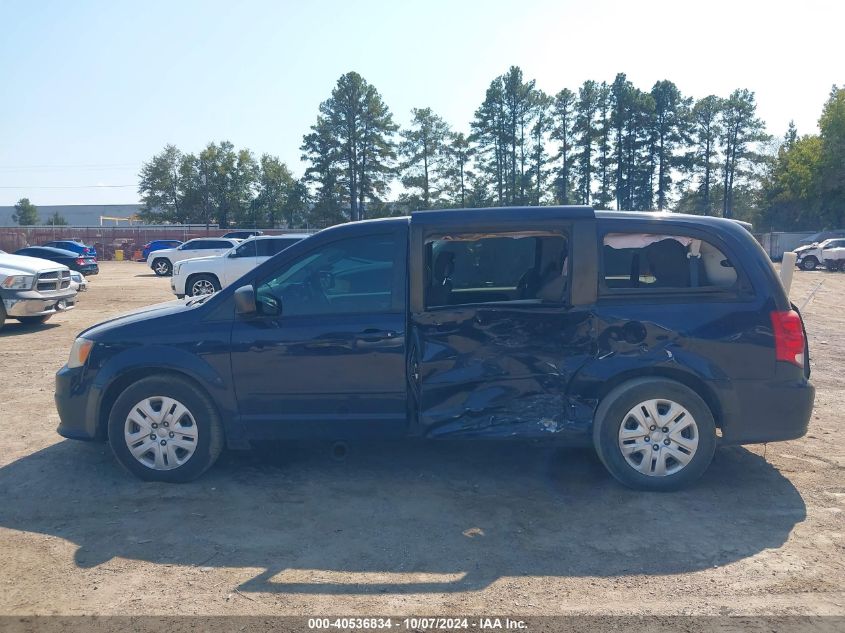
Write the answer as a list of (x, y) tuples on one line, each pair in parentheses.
[(706, 132), (741, 131), (563, 133), (424, 155), (671, 121), (542, 127), (586, 135)]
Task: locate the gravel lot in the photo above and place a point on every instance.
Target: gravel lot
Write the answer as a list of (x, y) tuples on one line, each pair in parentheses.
[(402, 529)]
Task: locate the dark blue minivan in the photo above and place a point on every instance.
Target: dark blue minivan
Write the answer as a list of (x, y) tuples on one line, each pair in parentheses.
[(653, 337)]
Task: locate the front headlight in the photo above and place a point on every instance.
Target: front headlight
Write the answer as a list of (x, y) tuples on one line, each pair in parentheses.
[(79, 352), (177, 267), (18, 282)]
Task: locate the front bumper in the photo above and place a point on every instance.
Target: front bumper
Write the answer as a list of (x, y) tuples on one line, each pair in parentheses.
[(33, 304), (76, 404)]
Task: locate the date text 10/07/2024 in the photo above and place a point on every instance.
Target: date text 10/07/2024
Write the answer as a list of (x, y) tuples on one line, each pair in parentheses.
[(417, 624)]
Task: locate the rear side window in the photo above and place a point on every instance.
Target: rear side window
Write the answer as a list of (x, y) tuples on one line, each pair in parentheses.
[(495, 268), (643, 261), (270, 247)]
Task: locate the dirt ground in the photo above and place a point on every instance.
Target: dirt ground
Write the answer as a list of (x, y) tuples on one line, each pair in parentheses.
[(401, 529)]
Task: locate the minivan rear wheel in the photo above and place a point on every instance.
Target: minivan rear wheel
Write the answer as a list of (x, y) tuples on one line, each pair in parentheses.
[(165, 429), (654, 434)]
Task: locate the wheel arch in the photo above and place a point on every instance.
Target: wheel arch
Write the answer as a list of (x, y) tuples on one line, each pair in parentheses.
[(191, 276), (123, 380), (686, 378)]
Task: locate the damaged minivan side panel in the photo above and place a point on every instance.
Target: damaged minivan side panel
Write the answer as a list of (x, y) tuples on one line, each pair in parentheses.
[(497, 332)]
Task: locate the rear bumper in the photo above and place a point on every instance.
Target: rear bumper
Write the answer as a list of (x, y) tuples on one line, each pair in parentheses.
[(767, 411), (76, 405), (26, 304)]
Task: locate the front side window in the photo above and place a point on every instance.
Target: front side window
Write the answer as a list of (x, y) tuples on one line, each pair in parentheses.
[(494, 268), (350, 276), (190, 246), (639, 261)]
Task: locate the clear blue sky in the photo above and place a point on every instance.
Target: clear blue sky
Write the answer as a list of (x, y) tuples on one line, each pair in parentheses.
[(92, 89)]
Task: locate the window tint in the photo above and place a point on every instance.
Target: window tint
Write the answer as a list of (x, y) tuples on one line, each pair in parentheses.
[(273, 246), (247, 249), (647, 260), (471, 269), (215, 244), (349, 276), (191, 246)]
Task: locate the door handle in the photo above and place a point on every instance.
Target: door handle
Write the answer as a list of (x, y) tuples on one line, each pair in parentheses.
[(374, 334)]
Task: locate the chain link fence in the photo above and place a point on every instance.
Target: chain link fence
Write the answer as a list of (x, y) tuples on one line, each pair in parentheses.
[(108, 239)]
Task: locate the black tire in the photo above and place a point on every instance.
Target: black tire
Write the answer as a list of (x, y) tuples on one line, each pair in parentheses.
[(209, 427), (809, 263), (196, 279), (612, 412), (35, 320), (2, 315), (162, 267)]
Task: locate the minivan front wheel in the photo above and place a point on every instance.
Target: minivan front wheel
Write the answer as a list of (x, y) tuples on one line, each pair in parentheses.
[(654, 434), (165, 429)]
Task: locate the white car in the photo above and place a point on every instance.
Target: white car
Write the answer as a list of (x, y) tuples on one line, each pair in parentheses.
[(162, 261), (205, 275), (834, 258), (78, 281), (811, 256)]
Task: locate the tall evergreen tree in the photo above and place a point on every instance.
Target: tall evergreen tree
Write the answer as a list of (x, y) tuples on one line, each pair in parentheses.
[(604, 196), (671, 121), (457, 172), (424, 154), (741, 131), (564, 133), (321, 150), (586, 135), (706, 132), (359, 129), (542, 127)]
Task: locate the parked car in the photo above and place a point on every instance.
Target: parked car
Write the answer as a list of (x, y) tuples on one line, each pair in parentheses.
[(73, 245), (78, 281), (242, 235), (649, 336), (204, 275), (157, 245), (834, 258), (810, 257), (161, 261), (821, 236), (32, 290), (74, 261)]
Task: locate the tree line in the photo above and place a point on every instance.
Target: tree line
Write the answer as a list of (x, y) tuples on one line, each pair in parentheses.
[(609, 145)]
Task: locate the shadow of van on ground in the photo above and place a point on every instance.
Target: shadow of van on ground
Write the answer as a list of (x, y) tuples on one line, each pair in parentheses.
[(400, 517)]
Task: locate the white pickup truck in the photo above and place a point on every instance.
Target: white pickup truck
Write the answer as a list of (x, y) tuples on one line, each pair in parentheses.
[(204, 275), (811, 256), (32, 290)]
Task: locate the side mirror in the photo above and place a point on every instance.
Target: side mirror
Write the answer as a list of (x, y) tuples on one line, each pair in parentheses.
[(245, 301)]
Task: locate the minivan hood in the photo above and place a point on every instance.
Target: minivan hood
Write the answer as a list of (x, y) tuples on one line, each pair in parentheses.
[(23, 265), (155, 311)]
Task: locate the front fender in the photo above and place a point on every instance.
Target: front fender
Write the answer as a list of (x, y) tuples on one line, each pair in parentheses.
[(209, 368)]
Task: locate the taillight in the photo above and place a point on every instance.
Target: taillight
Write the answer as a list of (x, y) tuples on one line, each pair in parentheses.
[(80, 261), (789, 337)]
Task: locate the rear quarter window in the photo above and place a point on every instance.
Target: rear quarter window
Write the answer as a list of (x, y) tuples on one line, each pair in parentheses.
[(668, 263)]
